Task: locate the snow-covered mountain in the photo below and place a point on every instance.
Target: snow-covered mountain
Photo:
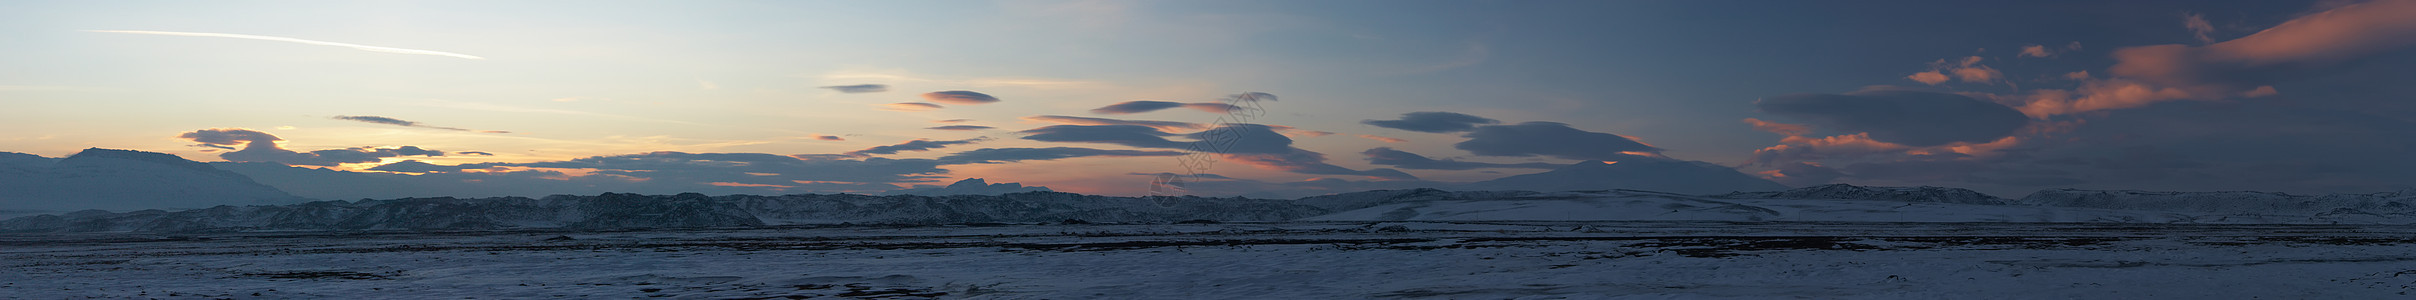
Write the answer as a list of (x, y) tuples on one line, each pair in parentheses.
[(1826, 203), (1842, 191), (969, 186), (1652, 174), (124, 179), (615, 211)]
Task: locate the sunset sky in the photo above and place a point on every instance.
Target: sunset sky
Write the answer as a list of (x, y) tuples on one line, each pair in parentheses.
[(802, 96)]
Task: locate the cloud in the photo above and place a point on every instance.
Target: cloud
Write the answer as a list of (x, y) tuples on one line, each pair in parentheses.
[(960, 127), (914, 145), (300, 41), (1929, 77), (1797, 148), (1249, 144), (1302, 161), (1912, 118), (827, 137), (416, 166), (859, 88), (1382, 139), (1553, 140), (953, 121), (1800, 174), (262, 147), (2244, 67), (1134, 107), (1433, 122), (1128, 135), (2036, 51), (1165, 126), (910, 106), (2198, 27), (695, 170), (1007, 155), (401, 122), (1967, 69), (474, 153), (1214, 107), (1779, 128), (1405, 160), (959, 97)]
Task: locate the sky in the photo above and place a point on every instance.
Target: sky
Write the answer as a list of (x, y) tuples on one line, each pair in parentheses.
[(1097, 97)]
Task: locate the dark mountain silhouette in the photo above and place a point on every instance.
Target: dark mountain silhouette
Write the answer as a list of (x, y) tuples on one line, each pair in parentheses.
[(124, 179), (1651, 174)]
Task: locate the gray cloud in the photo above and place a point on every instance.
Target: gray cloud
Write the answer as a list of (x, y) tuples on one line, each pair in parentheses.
[(1127, 135), (1006, 155), (1433, 121), (959, 97), (1911, 118), (859, 88), (262, 147), (914, 145), (705, 169), (1134, 107), (1249, 144), (1165, 126), (1405, 160), (404, 123), (1551, 139)]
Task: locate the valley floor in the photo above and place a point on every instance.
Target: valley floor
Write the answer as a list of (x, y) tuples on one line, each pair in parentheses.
[(1315, 260)]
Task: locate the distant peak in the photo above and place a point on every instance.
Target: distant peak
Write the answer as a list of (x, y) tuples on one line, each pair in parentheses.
[(132, 155), (970, 182)]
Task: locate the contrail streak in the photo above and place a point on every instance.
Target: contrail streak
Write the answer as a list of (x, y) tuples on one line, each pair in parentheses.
[(295, 40)]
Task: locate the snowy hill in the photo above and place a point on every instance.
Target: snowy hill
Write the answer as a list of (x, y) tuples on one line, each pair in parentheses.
[(1853, 192), (969, 186), (616, 211), (123, 179), (1668, 175)]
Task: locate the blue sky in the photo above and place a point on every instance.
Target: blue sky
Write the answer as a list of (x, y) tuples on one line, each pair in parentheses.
[(581, 79)]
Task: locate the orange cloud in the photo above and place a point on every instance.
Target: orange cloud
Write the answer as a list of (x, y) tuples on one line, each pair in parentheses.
[(2198, 26), (2149, 74), (1779, 128), (910, 106), (2036, 51), (1930, 77)]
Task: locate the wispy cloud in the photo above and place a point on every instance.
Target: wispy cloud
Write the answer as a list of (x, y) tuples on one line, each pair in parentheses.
[(407, 123), (300, 41)]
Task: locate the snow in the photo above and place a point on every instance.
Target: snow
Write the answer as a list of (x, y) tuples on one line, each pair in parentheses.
[(1629, 205), (1312, 260)]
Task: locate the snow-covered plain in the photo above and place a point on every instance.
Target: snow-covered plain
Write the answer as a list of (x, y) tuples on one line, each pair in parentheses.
[(1287, 260)]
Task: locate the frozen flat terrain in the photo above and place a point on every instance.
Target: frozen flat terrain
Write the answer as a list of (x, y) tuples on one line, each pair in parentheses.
[(1295, 260)]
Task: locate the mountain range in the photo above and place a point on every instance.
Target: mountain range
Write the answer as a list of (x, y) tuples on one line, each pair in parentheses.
[(124, 180)]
